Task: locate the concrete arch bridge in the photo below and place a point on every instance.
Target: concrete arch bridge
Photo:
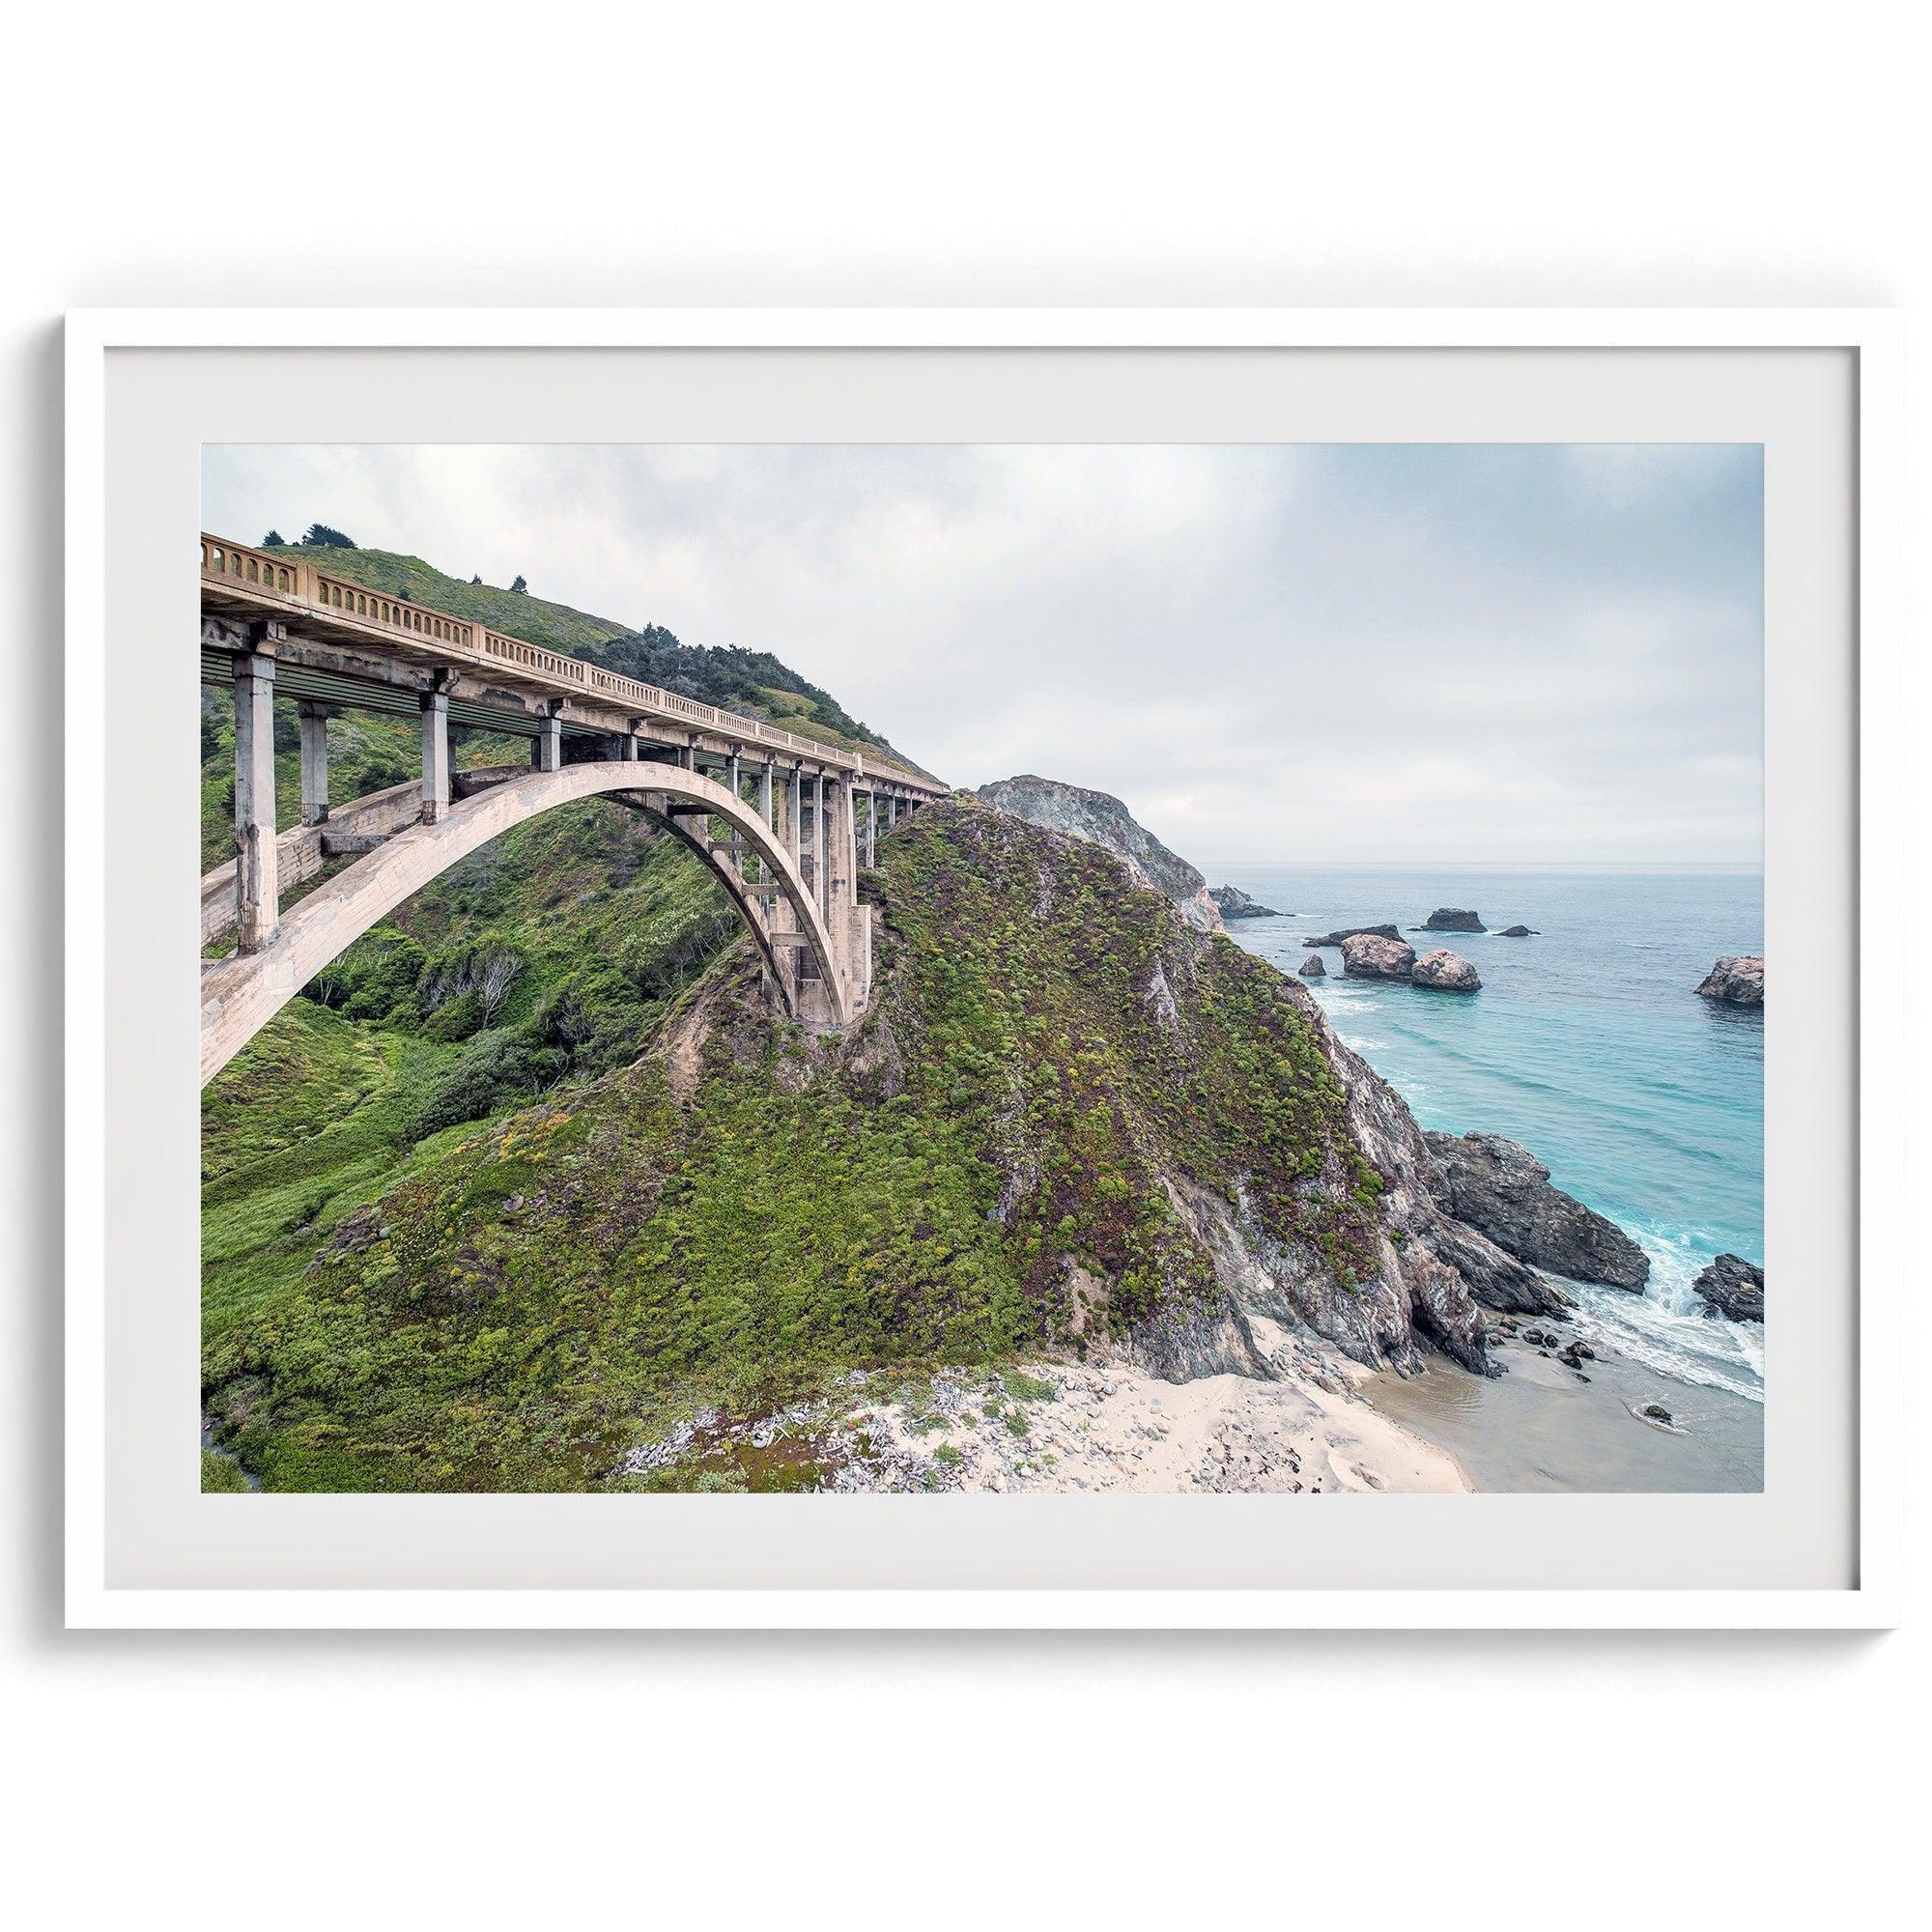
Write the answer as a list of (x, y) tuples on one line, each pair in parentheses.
[(782, 821)]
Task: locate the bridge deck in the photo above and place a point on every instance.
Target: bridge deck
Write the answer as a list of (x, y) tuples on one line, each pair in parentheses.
[(248, 585)]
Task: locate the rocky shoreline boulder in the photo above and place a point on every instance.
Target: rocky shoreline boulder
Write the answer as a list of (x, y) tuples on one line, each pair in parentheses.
[(1453, 919), (1312, 967), (1234, 903), (1503, 1191), (1734, 1287), (1737, 979), (1447, 972), (1342, 932), (1368, 956)]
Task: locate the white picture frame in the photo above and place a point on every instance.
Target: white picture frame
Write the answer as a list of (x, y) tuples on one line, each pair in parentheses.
[(1871, 1596)]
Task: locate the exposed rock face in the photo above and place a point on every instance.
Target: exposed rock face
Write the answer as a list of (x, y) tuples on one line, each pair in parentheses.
[(1234, 903), (1503, 1190), (1442, 1262), (1498, 1280), (1736, 980), (1367, 955), (1342, 932), (1448, 972), (1453, 919), (1103, 818), (1733, 1286), (1312, 967), (1516, 932)]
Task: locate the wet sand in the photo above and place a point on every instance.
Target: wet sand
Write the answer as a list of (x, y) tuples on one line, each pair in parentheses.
[(1539, 1428)]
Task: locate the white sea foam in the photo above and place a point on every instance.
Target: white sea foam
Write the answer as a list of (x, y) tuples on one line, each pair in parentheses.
[(1668, 1328)]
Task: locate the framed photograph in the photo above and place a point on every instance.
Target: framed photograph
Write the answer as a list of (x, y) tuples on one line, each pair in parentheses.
[(985, 969)]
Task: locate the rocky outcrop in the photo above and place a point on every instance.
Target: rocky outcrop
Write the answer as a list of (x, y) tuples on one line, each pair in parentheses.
[(1312, 967), (1517, 932), (1734, 1287), (1367, 955), (1342, 932), (1737, 979), (1495, 1278), (1234, 903), (1503, 1191), (1442, 1264), (1447, 972), (1103, 818), (1453, 919)]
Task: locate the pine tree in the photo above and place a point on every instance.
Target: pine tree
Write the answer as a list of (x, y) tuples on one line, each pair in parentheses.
[(318, 536), (521, 587), (273, 539)]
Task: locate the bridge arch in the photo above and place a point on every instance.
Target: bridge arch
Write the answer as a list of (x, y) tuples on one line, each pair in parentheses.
[(241, 993)]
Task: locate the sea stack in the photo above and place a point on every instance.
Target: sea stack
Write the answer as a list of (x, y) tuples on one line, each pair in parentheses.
[(1734, 1287), (1453, 919), (1312, 967), (1447, 972), (1368, 956), (1516, 932), (1234, 903), (1737, 979), (1347, 932)]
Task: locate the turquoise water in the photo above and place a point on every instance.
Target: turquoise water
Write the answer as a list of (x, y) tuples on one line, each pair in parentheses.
[(1588, 1046)]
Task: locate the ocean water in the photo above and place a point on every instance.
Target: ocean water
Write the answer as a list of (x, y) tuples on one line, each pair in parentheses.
[(1588, 1046)]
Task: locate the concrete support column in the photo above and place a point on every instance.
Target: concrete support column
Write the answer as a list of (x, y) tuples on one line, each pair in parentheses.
[(436, 756), (766, 777), (820, 847), (871, 827), (314, 763), (257, 896), (845, 852), (630, 751), (547, 751)]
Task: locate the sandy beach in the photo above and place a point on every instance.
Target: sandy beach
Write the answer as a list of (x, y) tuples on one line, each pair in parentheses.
[(1057, 1428)]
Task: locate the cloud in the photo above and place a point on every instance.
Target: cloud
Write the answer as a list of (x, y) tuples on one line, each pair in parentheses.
[(1506, 653)]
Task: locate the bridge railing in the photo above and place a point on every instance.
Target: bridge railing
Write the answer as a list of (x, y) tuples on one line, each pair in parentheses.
[(243, 568)]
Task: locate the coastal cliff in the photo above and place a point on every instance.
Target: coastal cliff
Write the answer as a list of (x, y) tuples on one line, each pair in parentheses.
[(1099, 816)]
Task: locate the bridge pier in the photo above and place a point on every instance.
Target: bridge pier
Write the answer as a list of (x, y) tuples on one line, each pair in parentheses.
[(547, 747), (257, 897), (434, 756), (843, 846), (767, 774), (314, 762), (871, 828), (820, 854)]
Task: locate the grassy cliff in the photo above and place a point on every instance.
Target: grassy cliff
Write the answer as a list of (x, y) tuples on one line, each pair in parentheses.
[(1058, 1099)]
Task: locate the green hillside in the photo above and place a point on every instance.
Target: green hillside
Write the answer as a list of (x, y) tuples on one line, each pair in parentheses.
[(988, 1165), (752, 682), (514, 613)]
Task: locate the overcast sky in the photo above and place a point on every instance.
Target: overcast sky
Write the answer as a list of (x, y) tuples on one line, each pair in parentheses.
[(1278, 654)]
